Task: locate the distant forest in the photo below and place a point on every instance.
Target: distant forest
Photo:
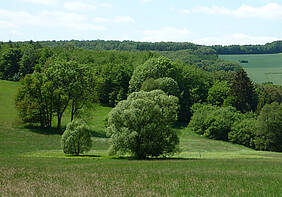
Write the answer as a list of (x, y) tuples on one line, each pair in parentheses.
[(273, 47)]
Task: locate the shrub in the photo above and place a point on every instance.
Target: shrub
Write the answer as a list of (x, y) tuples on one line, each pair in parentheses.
[(243, 131), (212, 121), (76, 139), (198, 120)]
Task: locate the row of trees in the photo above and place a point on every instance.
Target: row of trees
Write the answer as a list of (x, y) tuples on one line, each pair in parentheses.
[(163, 47), (273, 47)]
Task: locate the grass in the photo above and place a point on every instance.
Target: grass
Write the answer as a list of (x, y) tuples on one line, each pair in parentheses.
[(261, 67), (32, 164)]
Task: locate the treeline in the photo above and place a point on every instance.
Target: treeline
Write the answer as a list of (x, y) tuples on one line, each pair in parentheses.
[(269, 48)]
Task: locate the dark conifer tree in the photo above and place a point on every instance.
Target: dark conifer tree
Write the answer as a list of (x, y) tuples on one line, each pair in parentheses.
[(244, 92)]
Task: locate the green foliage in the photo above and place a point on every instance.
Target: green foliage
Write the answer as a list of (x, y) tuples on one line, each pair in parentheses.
[(140, 125), (243, 131), (194, 86), (243, 90), (166, 84), (268, 93), (200, 114), (10, 63), (153, 68), (76, 139), (218, 93), (62, 84), (269, 128), (224, 65), (212, 121), (220, 121)]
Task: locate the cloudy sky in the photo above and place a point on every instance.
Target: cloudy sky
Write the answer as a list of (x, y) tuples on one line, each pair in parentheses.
[(199, 21)]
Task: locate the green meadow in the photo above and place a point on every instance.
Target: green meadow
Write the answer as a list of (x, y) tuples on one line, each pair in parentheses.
[(33, 164), (260, 67)]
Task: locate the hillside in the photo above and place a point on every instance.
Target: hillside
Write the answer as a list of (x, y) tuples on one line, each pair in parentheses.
[(31, 161)]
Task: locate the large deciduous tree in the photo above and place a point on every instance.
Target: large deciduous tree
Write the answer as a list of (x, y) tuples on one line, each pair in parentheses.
[(62, 84), (141, 124)]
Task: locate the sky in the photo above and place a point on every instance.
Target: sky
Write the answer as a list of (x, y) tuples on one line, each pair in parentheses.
[(206, 22)]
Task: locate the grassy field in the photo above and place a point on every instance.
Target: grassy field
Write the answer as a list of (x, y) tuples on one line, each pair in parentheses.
[(32, 164), (261, 67)]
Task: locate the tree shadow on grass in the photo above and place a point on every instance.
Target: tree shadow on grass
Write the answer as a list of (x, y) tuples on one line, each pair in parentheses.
[(98, 134), (83, 156), (129, 158), (44, 131)]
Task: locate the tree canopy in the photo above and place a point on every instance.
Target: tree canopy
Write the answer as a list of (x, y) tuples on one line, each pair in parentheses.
[(141, 124)]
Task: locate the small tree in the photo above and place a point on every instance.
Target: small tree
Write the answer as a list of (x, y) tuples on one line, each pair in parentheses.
[(140, 125), (76, 139)]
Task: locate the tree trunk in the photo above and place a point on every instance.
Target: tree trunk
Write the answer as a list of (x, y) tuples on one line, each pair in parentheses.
[(72, 110)]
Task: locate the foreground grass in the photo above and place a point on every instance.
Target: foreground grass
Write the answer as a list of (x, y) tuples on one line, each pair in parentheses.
[(32, 164)]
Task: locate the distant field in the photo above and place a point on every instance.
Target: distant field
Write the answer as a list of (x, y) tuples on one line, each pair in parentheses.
[(33, 164), (261, 67)]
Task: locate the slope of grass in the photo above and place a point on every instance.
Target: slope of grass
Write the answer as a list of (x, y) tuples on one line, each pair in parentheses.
[(261, 67), (32, 164), (8, 92)]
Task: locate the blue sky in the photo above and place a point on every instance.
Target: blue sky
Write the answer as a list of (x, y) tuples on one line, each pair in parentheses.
[(206, 22)]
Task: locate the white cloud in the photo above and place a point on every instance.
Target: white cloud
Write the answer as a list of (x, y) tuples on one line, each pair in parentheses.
[(48, 19), (124, 19), (237, 38), (106, 5), (101, 20), (145, 1), (268, 11), (117, 19), (42, 2), (166, 34), (78, 5)]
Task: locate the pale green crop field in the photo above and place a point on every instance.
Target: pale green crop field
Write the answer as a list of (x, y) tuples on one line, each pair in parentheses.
[(260, 67)]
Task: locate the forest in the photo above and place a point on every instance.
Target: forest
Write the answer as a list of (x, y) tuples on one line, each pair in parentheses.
[(188, 83)]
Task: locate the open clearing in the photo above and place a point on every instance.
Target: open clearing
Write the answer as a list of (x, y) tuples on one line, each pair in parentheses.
[(32, 164), (260, 67)]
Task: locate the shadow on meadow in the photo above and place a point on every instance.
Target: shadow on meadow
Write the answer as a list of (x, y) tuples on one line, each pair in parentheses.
[(45, 131), (129, 158)]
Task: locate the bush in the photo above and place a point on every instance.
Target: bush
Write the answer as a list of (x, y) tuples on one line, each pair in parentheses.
[(140, 125), (243, 131), (212, 121), (198, 120), (220, 121), (76, 139)]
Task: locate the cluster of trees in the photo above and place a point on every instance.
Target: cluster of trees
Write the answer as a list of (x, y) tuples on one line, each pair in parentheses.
[(70, 79), (149, 92), (242, 113)]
